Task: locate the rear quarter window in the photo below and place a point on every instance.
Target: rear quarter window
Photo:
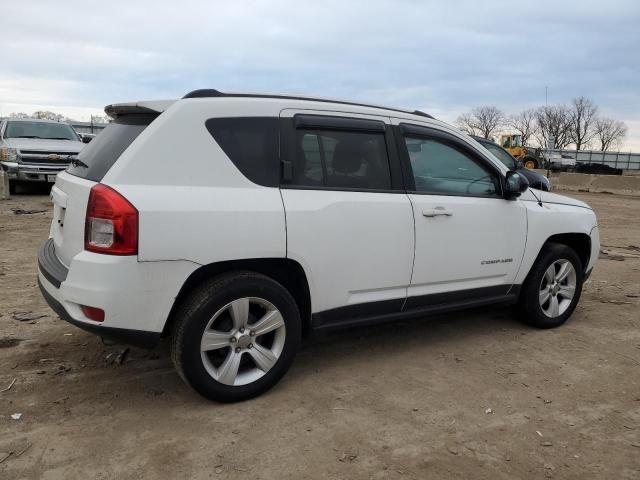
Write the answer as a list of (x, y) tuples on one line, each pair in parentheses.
[(252, 144), (103, 151)]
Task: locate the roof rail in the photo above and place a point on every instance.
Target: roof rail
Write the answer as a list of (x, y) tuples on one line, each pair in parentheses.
[(210, 92)]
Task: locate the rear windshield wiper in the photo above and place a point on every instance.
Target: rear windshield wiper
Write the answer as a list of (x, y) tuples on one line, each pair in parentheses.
[(76, 162)]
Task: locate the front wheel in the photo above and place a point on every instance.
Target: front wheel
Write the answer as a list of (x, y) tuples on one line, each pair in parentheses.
[(236, 336), (553, 287), (530, 163), (13, 187)]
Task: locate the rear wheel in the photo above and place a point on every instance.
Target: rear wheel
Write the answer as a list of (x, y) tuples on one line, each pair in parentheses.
[(553, 287), (236, 336), (530, 163)]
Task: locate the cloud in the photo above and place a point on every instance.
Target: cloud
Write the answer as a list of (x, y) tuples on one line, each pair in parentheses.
[(441, 57)]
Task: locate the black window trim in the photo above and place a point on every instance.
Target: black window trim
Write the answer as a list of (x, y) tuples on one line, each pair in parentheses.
[(289, 126), (327, 122), (414, 131)]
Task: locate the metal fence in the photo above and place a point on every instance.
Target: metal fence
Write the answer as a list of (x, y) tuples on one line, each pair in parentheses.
[(623, 160)]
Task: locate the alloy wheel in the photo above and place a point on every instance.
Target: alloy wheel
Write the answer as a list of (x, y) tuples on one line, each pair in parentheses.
[(557, 288), (242, 341)]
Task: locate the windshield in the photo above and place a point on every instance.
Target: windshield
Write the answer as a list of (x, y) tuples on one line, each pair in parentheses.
[(501, 155), (44, 130)]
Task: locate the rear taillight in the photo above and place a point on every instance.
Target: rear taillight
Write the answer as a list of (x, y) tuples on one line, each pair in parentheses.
[(111, 225)]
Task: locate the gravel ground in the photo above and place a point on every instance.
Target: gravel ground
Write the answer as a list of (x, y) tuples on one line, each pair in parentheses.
[(466, 395)]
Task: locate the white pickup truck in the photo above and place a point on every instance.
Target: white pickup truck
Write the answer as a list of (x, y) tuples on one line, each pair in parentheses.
[(34, 150)]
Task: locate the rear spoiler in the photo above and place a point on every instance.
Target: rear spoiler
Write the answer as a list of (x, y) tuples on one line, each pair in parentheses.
[(153, 106)]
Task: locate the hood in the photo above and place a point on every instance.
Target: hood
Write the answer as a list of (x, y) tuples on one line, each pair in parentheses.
[(69, 146), (550, 197)]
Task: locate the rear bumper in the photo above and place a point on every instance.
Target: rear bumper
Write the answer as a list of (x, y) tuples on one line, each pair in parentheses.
[(138, 338), (136, 297)]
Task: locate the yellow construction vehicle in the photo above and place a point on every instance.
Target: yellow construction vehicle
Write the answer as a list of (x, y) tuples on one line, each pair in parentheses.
[(529, 156)]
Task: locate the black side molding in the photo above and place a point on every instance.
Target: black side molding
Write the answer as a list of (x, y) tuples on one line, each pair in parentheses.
[(52, 268), (387, 311), (138, 338)]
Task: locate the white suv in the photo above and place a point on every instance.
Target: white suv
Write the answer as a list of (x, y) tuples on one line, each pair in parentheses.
[(238, 224)]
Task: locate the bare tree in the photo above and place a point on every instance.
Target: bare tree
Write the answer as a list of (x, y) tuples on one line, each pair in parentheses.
[(481, 121), (47, 115), (100, 119), (524, 123), (466, 123), (553, 121), (18, 115), (582, 115), (609, 132)]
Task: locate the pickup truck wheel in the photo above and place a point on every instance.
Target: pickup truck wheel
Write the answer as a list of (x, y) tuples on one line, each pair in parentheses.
[(530, 163), (236, 336), (553, 287), (13, 187)]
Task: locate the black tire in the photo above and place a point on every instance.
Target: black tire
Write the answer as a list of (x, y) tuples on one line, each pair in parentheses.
[(530, 159), (529, 309), (196, 311), (13, 187)]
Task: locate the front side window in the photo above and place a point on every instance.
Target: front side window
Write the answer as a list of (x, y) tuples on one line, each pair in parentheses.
[(341, 159), (42, 130), (439, 168)]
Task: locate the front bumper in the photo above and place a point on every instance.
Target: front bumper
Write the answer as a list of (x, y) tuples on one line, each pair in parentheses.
[(25, 172)]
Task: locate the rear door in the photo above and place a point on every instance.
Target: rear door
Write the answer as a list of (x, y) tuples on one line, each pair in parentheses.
[(469, 239), (349, 221), (70, 193)]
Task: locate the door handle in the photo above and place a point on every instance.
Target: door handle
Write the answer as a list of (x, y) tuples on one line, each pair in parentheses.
[(437, 212)]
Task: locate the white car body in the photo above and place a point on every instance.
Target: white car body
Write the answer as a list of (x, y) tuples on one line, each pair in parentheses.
[(356, 248), (557, 160)]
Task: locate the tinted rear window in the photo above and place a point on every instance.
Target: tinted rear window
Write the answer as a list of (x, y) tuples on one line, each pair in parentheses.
[(106, 148), (252, 144)]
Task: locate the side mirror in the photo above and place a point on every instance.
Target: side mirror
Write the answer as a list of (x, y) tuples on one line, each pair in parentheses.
[(514, 184)]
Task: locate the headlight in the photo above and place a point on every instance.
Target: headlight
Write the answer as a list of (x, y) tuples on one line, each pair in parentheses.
[(8, 154)]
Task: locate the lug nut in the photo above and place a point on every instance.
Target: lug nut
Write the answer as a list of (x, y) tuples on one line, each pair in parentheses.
[(233, 339), (237, 349), (241, 329), (252, 333), (251, 345)]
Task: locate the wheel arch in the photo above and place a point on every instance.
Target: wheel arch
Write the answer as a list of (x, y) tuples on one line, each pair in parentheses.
[(285, 271), (579, 242)]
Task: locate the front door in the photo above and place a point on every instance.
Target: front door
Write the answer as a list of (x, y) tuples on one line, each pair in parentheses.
[(469, 239)]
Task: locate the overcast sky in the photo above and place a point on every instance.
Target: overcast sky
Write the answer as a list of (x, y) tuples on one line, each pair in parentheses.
[(443, 57)]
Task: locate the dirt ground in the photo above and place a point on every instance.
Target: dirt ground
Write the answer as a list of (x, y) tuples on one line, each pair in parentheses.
[(467, 395)]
